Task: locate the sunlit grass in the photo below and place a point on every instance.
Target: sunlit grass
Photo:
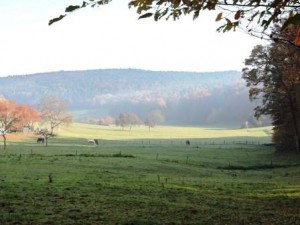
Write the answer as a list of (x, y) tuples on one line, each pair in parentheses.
[(159, 132)]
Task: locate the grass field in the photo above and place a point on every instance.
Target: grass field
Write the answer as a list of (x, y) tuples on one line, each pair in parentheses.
[(161, 132), (141, 177)]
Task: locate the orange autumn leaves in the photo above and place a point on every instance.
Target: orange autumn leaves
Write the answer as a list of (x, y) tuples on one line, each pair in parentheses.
[(14, 116), (297, 38), (292, 34), (293, 22)]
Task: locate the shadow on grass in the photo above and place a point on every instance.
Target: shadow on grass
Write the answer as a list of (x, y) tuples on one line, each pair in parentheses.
[(140, 222), (257, 167), (116, 155)]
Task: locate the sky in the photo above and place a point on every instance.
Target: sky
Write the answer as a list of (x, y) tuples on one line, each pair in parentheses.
[(111, 36)]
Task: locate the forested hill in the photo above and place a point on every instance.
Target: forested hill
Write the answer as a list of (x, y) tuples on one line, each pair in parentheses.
[(184, 97)]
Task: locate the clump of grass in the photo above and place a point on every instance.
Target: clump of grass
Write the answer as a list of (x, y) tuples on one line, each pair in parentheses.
[(170, 160), (120, 155), (140, 222), (50, 178), (115, 155)]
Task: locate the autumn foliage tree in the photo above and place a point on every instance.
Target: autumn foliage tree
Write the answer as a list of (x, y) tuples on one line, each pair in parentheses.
[(106, 120), (273, 75), (14, 117), (27, 116), (9, 117)]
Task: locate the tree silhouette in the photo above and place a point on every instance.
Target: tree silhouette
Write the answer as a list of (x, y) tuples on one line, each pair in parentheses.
[(273, 75)]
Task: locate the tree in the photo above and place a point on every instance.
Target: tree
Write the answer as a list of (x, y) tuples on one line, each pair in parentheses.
[(15, 116), (46, 134), (9, 117), (27, 116), (107, 120), (254, 16), (154, 118), (273, 75), (123, 120), (133, 120), (128, 119), (55, 112)]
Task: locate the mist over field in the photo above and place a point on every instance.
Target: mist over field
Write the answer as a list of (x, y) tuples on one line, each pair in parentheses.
[(185, 98)]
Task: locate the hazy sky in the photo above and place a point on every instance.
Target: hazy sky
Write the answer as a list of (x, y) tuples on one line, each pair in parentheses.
[(111, 37)]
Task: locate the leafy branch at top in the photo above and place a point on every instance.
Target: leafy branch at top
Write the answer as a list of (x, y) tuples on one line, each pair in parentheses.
[(72, 8), (253, 16)]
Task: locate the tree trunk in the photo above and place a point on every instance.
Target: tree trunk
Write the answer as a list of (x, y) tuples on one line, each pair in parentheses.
[(46, 140), (295, 123), (296, 131), (4, 141), (297, 141)]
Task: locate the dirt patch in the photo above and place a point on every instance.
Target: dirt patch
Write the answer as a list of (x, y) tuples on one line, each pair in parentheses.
[(19, 136)]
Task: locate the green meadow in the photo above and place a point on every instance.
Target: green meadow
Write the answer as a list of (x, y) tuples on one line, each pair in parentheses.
[(225, 176)]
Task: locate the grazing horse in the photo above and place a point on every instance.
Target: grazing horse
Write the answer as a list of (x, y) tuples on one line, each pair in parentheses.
[(93, 142), (187, 142), (40, 140)]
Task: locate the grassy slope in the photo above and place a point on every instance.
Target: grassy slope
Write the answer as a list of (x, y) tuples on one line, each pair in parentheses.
[(162, 132), (164, 182)]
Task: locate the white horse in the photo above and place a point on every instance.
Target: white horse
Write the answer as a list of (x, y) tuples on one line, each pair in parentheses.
[(91, 141)]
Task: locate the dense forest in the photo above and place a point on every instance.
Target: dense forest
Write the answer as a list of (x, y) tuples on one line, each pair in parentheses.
[(185, 98)]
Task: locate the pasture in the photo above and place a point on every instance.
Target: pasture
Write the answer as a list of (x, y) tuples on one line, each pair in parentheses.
[(141, 177)]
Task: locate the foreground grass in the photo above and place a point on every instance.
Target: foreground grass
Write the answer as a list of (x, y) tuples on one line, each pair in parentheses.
[(149, 179)]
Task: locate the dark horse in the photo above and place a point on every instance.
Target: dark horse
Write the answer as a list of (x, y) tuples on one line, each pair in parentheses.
[(187, 142), (40, 140)]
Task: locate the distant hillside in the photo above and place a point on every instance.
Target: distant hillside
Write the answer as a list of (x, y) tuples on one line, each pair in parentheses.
[(184, 97)]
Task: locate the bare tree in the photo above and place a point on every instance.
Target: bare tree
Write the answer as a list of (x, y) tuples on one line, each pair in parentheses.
[(154, 118), (123, 120), (134, 120), (46, 134), (129, 119), (55, 112)]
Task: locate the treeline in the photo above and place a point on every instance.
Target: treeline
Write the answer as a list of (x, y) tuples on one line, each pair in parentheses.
[(184, 98), (98, 87), (226, 106), (273, 75)]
